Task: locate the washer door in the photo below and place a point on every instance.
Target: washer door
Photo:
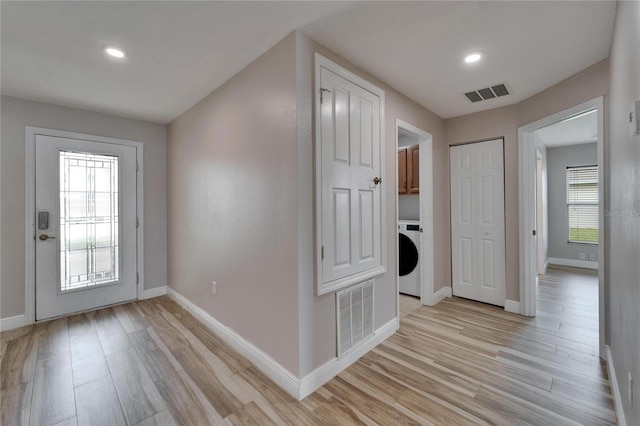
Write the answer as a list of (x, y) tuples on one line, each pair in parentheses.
[(408, 253)]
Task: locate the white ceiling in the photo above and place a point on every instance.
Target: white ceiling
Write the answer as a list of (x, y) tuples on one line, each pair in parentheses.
[(580, 129), (181, 51), (178, 52), (418, 47)]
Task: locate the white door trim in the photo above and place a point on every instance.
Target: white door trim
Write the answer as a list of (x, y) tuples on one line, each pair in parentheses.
[(322, 62), (427, 296), (30, 195), (526, 187)]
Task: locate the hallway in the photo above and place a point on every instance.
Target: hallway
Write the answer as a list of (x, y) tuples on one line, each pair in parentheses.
[(569, 297)]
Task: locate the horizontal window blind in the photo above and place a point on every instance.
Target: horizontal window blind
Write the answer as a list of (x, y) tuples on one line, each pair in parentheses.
[(582, 204)]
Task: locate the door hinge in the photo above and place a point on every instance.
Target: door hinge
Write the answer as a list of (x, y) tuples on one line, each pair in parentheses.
[(137, 222), (534, 232), (322, 90), (322, 253), (137, 278), (137, 166)]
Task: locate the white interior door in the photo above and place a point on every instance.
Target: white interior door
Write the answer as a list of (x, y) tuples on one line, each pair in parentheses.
[(477, 221), (85, 225), (351, 192)]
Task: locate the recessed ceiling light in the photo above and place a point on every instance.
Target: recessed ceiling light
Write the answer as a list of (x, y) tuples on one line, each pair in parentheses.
[(115, 52), (473, 57)]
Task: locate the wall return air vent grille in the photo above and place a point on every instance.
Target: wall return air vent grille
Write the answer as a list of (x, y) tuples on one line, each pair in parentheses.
[(355, 316), (495, 91)]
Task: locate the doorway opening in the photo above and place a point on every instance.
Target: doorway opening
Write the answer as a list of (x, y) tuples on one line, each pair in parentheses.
[(414, 203), (562, 234)]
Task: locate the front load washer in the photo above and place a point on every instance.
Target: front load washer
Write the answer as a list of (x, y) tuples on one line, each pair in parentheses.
[(409, 257)]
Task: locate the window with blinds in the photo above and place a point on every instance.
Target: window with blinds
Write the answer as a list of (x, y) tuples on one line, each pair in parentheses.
[(582, 204)]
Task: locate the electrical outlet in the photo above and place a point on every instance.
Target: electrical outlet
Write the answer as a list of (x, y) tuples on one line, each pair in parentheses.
[(214, 287), (592, 256), (630, 382), (582, 256)]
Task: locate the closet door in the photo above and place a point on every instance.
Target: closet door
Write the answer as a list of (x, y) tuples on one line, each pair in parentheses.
[(477, 221)]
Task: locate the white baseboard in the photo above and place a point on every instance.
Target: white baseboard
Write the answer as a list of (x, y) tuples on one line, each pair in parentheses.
[(298, 388), (333, 367), (617, 398), (276, 372), (10, 323), (441, 294), (588, 264), (512, 306), (546, 266), (154, 292)]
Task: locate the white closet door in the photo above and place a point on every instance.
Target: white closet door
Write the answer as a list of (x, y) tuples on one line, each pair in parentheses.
[(477, 221), (351, 198)]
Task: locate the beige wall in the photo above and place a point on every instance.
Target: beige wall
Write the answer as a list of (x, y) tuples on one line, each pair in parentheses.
[(232, 173), (504, 122), (18, 113), (580, 87), (623, 289), (241, 205), (317, 327)]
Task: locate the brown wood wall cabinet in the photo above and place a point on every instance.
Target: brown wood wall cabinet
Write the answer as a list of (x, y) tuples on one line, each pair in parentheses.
[(402, 171), (409, 170)]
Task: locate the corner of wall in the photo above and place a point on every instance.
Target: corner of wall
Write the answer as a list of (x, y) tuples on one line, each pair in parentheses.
[(305, 200), (233, 204), (622, 292)]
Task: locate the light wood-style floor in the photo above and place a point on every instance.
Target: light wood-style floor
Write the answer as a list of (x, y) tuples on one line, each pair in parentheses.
[(460, 362)]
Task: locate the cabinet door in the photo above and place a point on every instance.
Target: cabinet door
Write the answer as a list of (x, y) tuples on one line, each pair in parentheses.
[(351, 201), (402, 170), (413, 169)]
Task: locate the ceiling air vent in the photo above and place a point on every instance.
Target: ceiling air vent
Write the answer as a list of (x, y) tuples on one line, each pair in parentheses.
[(495, 91)]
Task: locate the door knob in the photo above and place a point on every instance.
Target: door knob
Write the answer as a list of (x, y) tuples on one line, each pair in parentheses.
[(45, 237), (377, 180)]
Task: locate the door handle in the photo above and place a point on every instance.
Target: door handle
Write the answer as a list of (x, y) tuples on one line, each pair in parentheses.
[(45, 237), (377, 180)]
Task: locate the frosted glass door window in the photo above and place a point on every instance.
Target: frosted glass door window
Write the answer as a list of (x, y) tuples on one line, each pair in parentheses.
[(89, 226)]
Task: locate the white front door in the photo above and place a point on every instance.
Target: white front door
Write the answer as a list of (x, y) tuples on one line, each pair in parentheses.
[(350, 182), (85, 225), (477, 221)]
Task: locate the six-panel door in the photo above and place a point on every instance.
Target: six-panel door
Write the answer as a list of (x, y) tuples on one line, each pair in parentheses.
[(351, 198), (477, 221)]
